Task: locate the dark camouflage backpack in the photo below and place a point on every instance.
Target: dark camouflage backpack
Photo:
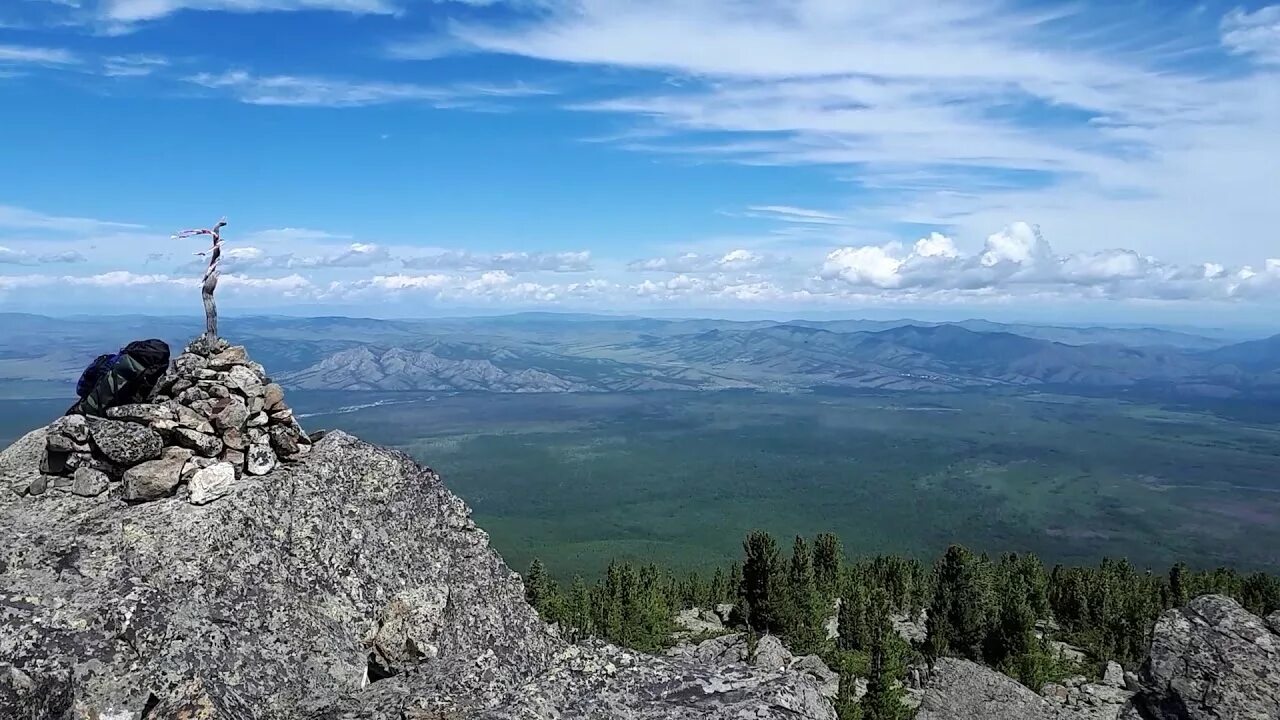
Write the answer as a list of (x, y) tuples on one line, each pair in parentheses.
[(123, 378)]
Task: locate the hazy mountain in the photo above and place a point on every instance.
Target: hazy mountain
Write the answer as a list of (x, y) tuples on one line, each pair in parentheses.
[(544, 352)]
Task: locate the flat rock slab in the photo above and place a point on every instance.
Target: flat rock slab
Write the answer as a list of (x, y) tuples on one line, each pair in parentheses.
[(124, 443), (209, 484)]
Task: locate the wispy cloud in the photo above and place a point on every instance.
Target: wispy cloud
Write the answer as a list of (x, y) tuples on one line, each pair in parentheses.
[(1255, 34), (954, 113), (579, 261), (132, 11), (30, 55), (317, 91), (734, 260), (18, 218), (11, 256), (133, 65)]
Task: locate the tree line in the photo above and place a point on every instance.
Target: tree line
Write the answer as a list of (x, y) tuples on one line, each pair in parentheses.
[(1006, 611)]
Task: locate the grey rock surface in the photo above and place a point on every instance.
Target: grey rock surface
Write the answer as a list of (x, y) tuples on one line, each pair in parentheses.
[(124, 443), (293, 596), (962, 690), (88, 482), (1211, 660), (155, 478), (209, 484)]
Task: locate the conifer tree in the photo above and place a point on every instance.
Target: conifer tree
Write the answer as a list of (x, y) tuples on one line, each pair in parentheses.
[(883, 700), (851, 620), (826, 564), (960, 610), (762, 586), (537, 585), (804, 612)]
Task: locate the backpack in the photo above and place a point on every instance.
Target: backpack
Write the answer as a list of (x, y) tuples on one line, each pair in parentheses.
[(126, 377)]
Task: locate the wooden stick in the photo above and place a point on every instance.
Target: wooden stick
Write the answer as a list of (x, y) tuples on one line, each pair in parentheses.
[(210, 283)]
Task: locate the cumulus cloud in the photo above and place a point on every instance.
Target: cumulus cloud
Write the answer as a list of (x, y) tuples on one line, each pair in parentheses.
[(739, 260), (1020, 258)]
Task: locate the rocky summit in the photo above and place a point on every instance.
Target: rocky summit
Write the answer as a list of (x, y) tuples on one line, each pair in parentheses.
[(346, 582), (200, 556)]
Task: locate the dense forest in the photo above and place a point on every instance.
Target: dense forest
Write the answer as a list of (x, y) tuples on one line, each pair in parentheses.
[(1006, 612)]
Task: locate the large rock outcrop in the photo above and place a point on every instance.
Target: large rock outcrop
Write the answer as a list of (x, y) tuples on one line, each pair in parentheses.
[(1212, 660), (348, 584)]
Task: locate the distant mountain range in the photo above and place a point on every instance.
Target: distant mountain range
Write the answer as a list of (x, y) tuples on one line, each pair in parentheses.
[(543, 352)]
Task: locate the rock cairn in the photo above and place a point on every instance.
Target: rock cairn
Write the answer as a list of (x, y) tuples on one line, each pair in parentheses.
[(213, 417)]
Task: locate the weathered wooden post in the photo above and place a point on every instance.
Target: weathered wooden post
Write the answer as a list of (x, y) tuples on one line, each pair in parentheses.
[(210, 279)]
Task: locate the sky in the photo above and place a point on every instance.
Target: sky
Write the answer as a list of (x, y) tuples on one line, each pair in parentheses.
[(1092, 161)]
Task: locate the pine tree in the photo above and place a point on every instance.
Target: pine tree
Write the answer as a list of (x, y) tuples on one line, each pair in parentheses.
[(537, 585), (578, 618), (851, 620), (1179, 593), (883, 700), (827, 555), (804, 613), (762, 587), (960, 611)]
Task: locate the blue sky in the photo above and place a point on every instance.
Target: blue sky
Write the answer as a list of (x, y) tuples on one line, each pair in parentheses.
[(1105, 161)]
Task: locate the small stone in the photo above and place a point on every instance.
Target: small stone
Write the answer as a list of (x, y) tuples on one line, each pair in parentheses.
[(211, 483), (156, 478), (205, 374), (181, 384), (245, 381), (72, 426), (273, 396), (282, 416), (234, 439), (214, 389), (191, 419), (260, 371), (257, 436), (88, 482), (192, 395), (234, 355), (125, 443), (61, 444), (141, 413), (261, 459), (203, 443), (258, 420), (1113, 675), (235, 457), (188, 363), (39, 485), (255, 405), (229, 413), (1131, 682), (284, 440)]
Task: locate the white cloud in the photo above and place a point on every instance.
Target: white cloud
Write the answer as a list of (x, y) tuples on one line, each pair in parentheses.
[(16, 218), (734, 260), (318, 91), (954, 114), (1018, 259), (26, 54), (10, 256), (132, 11), (132, 65), (787, 213), (1255, 34), (573, 261)]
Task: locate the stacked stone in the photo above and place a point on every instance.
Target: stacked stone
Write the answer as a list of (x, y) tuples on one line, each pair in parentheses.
[(213, 417)]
